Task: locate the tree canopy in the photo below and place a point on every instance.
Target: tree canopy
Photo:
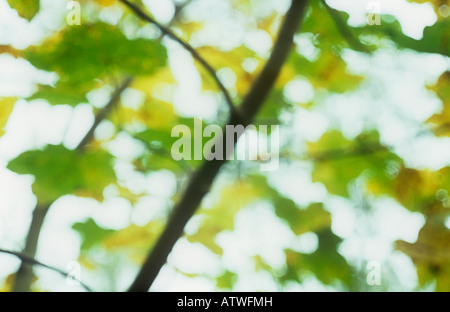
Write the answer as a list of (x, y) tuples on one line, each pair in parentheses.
[(90, 97)]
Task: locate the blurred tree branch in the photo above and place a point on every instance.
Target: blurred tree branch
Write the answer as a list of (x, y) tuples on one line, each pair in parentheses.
[(202, 180), (165, 30), (24, 275), (32, 261)]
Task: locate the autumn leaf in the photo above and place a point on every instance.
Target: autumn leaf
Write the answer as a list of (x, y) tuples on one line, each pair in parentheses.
[(59, 171), (431, 252), (220, 217), (442, 119), (10, 50), (134, 239), (6, 107), (418, 190)]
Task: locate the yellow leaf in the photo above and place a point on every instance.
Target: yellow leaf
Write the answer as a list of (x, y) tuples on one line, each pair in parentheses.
[(270, 25), (155, 114), (106, 2), (190, 28), (231, 59), (417, 189), (136, 239), (438, 5), (442, 119), (102, 2), (147, 84), (221, 216), (6, 107), (8, 283)]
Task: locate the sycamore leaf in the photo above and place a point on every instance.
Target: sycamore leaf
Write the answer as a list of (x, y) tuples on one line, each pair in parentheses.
[(431, 252), (436, 38), (59, 171), (319, 22), (325, 263), (91, 233), (6, 107), (226, 280), (418, 190), (311, 219), (338, 161), (81, 55), (231, 59), (26, 8), (442, 119)]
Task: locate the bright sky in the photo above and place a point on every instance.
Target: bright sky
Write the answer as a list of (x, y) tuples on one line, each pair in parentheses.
[(32, 125)]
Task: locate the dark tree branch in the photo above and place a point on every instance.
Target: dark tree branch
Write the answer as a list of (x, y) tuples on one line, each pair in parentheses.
[(344, 29), (165, 30), (32, 261), (202, 180), (24, 275)]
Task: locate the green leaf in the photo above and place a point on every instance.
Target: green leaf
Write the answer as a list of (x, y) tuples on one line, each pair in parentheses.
[(164, 138), (91, 233), (26, 8), (83, 54), (338, 162), (436, 38), (59, 171), (325, 263), (159, 142), (328, 72), (319, 23), (226, 280)]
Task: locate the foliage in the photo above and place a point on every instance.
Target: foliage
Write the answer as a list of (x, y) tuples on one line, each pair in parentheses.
[(99, 54)]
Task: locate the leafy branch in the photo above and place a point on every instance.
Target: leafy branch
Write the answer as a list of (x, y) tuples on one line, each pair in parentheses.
[(202, 180), (147, 18), (24, 275)]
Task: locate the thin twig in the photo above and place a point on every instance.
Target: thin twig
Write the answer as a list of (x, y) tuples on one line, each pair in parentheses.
[(145, 17), (104, 112), (33, 261)]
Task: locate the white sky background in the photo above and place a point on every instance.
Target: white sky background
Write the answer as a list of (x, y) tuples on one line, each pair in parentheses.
[(401, 76)]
